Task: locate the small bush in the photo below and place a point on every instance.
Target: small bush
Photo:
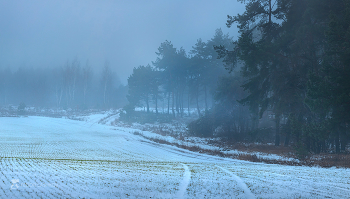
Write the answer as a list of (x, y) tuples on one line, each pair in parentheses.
[(203, 127), (137, 133), (301, 151), (261, 135)]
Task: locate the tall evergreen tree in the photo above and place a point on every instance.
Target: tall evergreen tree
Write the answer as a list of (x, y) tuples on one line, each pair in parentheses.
[(141, 85), (329, 88), (256, 47), (172, 64)]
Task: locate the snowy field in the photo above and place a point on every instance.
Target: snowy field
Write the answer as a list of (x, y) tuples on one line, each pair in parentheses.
[(45, 157)]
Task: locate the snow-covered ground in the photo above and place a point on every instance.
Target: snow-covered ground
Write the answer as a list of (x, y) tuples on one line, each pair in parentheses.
[(45, 157), (175, 129)]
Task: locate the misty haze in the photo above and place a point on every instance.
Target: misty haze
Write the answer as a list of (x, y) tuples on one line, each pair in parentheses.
[(175, 99)]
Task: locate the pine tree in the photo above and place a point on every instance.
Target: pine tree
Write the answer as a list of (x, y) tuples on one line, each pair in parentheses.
[(141, 85), (329, 88), (256, 47)]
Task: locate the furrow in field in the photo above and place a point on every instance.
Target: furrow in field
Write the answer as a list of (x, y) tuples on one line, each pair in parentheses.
[(240, 182)]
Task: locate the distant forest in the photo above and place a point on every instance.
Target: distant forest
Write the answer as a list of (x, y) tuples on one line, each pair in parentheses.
[(73, 85), (290, 63)]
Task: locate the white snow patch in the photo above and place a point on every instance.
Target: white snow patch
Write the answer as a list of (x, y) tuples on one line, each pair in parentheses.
[(62, 158)]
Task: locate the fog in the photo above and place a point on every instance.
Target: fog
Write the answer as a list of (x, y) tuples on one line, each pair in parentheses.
[(42, 34), (98, 96)]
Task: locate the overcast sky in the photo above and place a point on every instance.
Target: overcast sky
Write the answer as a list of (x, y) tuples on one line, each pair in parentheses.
[(46, 33)]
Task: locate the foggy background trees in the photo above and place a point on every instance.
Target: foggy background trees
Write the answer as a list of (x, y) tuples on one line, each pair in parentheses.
[(179, 81), (69, 86)]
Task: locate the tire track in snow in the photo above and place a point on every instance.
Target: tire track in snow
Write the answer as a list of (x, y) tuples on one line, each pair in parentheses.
[(240, 182), (184, 183), (311, 191)]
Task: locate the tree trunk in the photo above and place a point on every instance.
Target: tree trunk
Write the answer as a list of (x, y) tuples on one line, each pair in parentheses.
[(277, 136), (168, 103), (205, 98), (336, 139), (147, 103), (323, 146), (177, 102), (156, 98), (104, 94), (288, 129), (255, 121), (188, 104), (181, 103), (270, 11), (173, 98), (343, 139), (199, 112), (286, 140)]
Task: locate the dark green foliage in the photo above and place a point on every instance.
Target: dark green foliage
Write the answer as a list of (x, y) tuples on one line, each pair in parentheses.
[(290, 63), (204, 126), (296, 59), (260, 135), (301, 150), (227, 118), (177, 78), (329, 87), (127, 113), (231, 123), (172, 65), (143, 84)]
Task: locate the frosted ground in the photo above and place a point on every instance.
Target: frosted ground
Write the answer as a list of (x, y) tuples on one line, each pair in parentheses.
[(45, 157)]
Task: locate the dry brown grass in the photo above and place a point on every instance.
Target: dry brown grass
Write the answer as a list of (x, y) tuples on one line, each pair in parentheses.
[(247, 157), (330, 160), (324, 160)]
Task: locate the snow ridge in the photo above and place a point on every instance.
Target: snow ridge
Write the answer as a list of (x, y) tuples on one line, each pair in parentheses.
[(184, 183), (240, 182)]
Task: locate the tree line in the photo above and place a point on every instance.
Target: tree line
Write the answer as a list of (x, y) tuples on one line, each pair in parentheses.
[(290, 63), (178, 81), (73, 85), (296, 56)]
